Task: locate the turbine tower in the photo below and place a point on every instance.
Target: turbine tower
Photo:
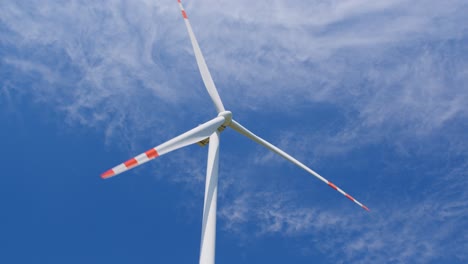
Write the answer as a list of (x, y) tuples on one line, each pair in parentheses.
[(209, 133)]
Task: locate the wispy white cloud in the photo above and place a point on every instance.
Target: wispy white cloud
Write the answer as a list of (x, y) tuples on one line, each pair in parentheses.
[(324, 51), (400, 230), (98, 62)]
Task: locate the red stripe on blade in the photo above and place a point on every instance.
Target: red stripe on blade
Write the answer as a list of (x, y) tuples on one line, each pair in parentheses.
[(365, 208), (184, 14), (349, 197), (107, 174), (152, 153), (333, 186), (130, 163)]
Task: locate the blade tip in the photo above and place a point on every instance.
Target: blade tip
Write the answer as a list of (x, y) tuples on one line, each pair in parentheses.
[(107, 174), (365, 208)]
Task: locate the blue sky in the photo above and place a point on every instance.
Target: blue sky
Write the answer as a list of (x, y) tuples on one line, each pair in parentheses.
[(370, 94)]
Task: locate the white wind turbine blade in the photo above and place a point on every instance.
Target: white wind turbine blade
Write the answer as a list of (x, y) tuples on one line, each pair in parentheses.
[(205, 73), (195, 135), (244, 131), (208, 236)]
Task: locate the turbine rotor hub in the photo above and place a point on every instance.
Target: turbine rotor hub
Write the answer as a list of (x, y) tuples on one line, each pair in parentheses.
[(227, 121), (228, 117)]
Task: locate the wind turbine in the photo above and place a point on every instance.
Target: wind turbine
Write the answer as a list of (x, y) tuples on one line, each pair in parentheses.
[(209, 133)]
